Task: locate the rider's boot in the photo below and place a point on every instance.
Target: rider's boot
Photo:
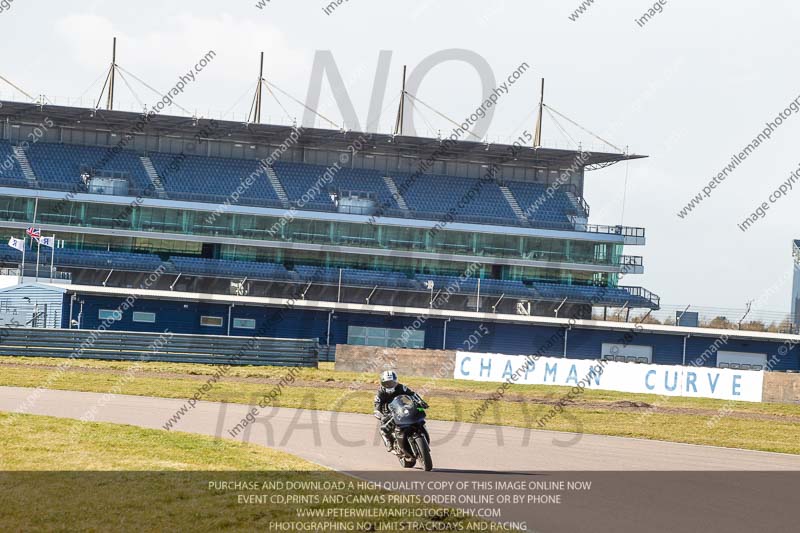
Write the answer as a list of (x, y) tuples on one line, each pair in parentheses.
[(387, 442)]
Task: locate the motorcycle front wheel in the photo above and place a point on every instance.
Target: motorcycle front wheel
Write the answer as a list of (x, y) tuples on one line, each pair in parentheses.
[(424, 452)]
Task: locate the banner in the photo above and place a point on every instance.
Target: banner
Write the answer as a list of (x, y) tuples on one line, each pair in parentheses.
[(664, 380), (17, 243)]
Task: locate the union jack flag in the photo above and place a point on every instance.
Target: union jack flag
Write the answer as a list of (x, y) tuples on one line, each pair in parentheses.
[(34, 233)]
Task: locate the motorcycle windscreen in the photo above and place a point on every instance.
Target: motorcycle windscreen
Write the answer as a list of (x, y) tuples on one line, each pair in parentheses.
[(404, 411)]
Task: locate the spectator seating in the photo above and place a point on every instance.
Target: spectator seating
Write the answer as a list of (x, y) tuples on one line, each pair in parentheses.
[(467, 197), (10, 171), (540, 208), (228, 268), (59, 165), (212, 178)]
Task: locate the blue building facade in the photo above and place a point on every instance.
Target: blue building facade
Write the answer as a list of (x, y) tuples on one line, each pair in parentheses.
[(582, 340)]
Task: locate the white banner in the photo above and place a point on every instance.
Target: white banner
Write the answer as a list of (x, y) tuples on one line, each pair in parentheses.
[(19, 244), (697, 382)]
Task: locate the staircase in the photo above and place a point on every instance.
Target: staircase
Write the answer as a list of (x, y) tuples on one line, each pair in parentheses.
[(512, 202), (25, 165), (277, 186), (153, 175), (580, 205), (392, 186)]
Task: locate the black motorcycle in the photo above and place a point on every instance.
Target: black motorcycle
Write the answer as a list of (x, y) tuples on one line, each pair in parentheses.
[(407, 424)]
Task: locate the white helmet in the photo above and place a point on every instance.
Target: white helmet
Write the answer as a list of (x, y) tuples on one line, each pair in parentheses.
[(389, 380)]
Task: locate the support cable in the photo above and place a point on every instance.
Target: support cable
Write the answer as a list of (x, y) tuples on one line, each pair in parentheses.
[(620, 150), (128, 85), (160, 93), (424, 118), (378, 118), (102, 90), (323, 117), (247, 90), (89, 88), (17, 88), (625, 192), (280, 104), (562, 129), (441, 114)]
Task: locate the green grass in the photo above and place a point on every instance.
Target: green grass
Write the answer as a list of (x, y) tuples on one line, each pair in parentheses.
[(767, 427), (108, 477)]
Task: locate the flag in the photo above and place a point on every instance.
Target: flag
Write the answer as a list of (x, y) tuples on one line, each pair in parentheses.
[(34, 233), (16, 243), (48, 241)]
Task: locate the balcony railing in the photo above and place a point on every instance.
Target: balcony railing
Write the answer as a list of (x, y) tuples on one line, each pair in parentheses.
[(641, 292), (409, 214), (631, 260), (43, 274)]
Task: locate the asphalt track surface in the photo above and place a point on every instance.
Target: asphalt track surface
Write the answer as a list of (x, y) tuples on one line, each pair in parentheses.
[(638, 485)]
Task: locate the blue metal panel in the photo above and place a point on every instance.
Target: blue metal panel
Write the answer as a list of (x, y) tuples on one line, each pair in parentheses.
[(513, 339)]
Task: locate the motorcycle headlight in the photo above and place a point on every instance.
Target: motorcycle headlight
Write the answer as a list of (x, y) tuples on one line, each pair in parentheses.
[(405, 411)]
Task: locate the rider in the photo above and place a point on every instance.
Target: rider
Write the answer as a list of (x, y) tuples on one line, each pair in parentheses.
[(389, 390)]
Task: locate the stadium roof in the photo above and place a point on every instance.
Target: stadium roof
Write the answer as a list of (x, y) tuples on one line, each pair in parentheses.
[(121, 122)]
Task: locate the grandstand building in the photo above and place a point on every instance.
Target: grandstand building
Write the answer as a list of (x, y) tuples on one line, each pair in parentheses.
[(264, 230)]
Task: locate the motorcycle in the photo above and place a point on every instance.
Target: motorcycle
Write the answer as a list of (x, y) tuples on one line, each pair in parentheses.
[(406, 422)]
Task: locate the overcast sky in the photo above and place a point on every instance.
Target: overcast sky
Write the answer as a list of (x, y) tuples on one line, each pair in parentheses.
[(690, 88)]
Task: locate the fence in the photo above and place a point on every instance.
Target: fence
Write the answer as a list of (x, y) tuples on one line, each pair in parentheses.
[(128, 346)]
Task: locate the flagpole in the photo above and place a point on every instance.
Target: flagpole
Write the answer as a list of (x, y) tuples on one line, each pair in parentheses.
[(53, 258), (22, 270), (38, 249)]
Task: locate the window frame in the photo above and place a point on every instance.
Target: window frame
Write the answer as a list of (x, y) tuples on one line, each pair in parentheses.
[(237, 323), (137, 317), (116, 314), (205, 317)]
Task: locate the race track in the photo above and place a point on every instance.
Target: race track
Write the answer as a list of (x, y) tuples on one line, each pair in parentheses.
[(350, 443)]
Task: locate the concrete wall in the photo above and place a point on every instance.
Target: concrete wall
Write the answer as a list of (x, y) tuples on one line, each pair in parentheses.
[(781, 388), (423, 363)]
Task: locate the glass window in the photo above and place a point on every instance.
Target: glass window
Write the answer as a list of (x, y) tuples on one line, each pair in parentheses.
[(212, 321), (357, 330), (357, 341), (109, 314), (385, 337), (416, 339), (244, 323), (140, 316), (376, 332)]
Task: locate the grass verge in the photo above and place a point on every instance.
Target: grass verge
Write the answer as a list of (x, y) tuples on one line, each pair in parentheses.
[(766, 427), (124, 478)]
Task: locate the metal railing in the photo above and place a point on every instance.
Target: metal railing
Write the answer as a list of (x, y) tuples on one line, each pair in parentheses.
[(136, 346), (44, 272), (641, 292), (625, 231), (573, 189), (380, 212), (631, 260)]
